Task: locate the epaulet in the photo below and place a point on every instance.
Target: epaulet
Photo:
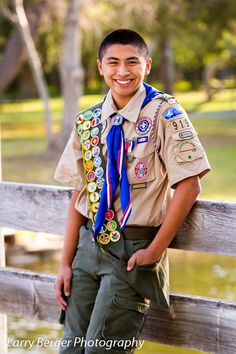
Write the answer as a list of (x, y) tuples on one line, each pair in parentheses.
[(168, 98)]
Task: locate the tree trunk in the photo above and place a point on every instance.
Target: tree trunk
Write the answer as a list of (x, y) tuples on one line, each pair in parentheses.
[(167, 71), (36, 67), (70, 69), (15, 52)]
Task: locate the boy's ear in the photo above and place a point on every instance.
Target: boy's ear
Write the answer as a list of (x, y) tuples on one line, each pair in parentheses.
[(148, 66), (99, 64)]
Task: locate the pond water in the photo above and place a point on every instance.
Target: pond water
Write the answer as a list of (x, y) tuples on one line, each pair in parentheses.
[(191, 273)]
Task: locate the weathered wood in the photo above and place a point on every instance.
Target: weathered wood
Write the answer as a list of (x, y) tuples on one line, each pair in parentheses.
[(194, 322), (210, 227)]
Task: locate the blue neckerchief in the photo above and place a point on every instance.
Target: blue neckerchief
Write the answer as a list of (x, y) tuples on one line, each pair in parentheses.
[(151, 92)]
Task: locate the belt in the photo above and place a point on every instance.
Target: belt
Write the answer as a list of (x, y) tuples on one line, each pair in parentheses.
[(136, 232)]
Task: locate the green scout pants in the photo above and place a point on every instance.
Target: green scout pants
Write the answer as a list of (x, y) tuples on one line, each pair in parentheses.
[(106, 310)]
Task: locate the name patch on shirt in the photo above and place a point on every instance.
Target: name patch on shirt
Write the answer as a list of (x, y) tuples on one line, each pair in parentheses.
[(139, 185), (142, 139)]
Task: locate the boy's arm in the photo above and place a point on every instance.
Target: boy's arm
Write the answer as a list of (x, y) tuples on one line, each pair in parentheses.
[(74, 221), (183, 199)]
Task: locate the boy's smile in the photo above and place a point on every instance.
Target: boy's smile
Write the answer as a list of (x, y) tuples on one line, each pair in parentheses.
[(123, 68)]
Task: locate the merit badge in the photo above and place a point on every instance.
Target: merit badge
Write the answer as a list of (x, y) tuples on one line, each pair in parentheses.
[(92, 187), (95, 140), (187, 151), (94, 207), (111, 225), (99, 172), (141, 170), (79, 118), (88, 155), (80, 129), (104, 239), (104, 125), (97, 161), (109, 214), (91, 176), (95, 122), (89, 165), (86, 135), (97, 112), (173, 112), (142, 139), (143, 125), (117, 120), (100, 182), (95, 151), (88, 115), (86, 145), (114, 236), (94, 131), (86, 125), (94, 197), (186, 134)]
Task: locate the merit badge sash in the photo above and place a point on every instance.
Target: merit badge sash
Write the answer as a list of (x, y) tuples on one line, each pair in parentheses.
[(89, 129)]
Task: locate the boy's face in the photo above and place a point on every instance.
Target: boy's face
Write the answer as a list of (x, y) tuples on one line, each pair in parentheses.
[(123, 68)]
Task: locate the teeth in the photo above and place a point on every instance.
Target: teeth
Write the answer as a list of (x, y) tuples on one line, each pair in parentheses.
[(123, 82)]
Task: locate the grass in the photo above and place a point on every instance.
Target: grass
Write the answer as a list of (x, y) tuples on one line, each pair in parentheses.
[(25, 156)]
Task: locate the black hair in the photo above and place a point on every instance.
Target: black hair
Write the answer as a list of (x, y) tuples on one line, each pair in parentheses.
[(123, 36)]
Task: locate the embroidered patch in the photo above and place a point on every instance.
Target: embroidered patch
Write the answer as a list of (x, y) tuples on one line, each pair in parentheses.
[(111, 225), (94, 131), (100, 182), (88, 115), (99, 172), (141, 170), (86, 125), (95, 141), (91, 187), (114, 236), (95, 122), (187, 151), (97, 113), (109, 214), (79, 119), (117, 120), (180, 124), (104, 239), (142, 139), (91, 176), (94, 197), (87, 145), (173, 112), (187, 134), (95, 151), (143, 125)]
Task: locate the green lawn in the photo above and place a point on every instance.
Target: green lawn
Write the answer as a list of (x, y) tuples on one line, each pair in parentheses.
[(25, 158)]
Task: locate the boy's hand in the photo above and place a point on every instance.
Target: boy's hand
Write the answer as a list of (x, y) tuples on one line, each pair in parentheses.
[(63, 283), (141, 257)]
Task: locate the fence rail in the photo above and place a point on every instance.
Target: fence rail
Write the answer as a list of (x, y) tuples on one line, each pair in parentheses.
[(194, 322)]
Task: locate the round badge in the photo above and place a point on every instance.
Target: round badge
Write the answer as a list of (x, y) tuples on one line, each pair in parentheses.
[(86, 135), (97, 161), (187, 151), (79, 118), (88, 115), (117, 120), (111, 225), (92, 187), (94, 197), (87, 145), (104, 125), (80, 128), (103, 229), (114, 236), (141, 170), (94, 131), (100, 182), (89, 165), (91, 176), (97, 112), (86, 125), (95, 151), (88, 155), (94, 207), (143, 125), (95, 140), (95, 122), (99, 172), (104, 239), (109, 214)]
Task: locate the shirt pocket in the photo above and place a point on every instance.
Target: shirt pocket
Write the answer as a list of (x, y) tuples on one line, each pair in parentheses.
[(187, 147), (141, 169)]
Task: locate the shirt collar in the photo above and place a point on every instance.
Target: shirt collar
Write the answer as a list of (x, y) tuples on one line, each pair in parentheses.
[(131, 110)]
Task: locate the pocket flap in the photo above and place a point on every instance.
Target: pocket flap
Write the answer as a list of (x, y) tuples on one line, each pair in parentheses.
[(129, 305)]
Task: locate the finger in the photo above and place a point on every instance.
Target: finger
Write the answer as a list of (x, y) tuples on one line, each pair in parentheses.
[(58, 294), (67, 282), (131, 263)]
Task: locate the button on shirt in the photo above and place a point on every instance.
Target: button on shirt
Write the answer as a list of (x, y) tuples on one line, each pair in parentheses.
[(153, 169)]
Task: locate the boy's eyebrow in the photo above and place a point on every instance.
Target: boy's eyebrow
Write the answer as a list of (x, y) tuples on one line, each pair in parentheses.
[(129, 58)]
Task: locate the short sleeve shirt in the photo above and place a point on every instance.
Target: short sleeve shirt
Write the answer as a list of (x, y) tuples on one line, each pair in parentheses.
[(165, 151)]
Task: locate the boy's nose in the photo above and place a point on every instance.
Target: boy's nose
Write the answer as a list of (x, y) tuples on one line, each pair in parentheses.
[(123, 70)]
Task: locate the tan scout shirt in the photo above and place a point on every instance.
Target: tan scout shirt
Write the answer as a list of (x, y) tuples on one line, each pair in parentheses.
[(151, 176)]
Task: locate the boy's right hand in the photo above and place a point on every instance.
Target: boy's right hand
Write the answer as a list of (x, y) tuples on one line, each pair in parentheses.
[(62, 286)]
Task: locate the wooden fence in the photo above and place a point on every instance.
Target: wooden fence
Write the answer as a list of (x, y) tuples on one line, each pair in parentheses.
[(196, 322)]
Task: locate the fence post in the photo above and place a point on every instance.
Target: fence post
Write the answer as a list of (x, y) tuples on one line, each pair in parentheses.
[(3, 317)]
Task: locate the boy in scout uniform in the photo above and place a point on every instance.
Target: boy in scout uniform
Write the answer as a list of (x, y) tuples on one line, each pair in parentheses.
[(134, 161)]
